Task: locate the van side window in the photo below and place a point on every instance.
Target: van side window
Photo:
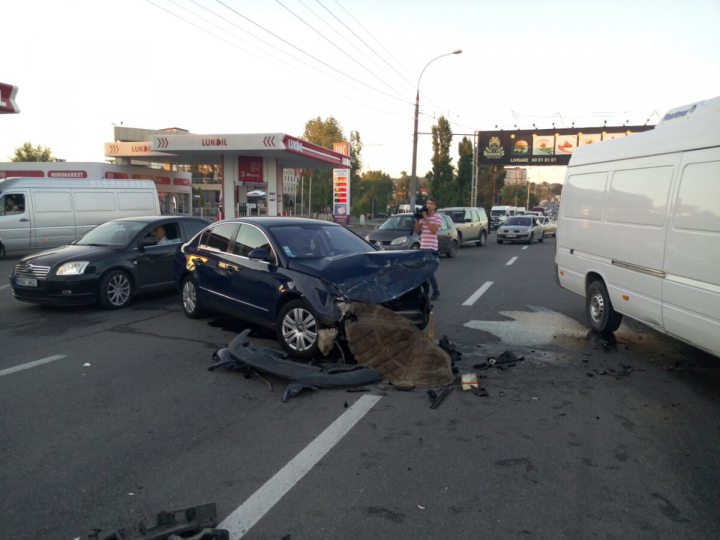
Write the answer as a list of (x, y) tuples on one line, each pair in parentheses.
[(697, 203), (588, 191), (94, 201), (12, 203), (639, 196), (52, 201)]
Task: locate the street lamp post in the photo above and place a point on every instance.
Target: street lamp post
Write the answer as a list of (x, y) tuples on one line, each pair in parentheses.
[(413, 178)]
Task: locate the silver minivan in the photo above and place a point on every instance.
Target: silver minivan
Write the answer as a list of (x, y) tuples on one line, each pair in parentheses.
[(39, 213)]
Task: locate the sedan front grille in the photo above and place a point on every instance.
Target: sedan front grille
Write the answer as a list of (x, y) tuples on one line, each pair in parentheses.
[(30, 270)]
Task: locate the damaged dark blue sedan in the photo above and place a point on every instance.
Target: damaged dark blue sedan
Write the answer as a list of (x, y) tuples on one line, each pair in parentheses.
[(298, 276)]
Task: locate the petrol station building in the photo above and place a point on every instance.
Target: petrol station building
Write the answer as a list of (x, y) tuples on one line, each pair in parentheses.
[(247, 162)]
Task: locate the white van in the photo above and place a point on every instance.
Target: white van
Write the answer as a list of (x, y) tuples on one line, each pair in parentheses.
[(639, 227), (499, 215), (37, 213)]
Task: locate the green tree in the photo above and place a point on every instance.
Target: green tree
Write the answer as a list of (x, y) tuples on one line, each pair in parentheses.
[(464, 174), (356, 183), (28, 152), (375, 184), (323, 133), (442, 184), (491, 180)]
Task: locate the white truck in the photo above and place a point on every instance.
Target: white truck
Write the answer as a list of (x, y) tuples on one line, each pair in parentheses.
[(639, 227)]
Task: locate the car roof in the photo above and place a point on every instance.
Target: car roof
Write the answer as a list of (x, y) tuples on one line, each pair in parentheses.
[(281, 221), (154, 219)]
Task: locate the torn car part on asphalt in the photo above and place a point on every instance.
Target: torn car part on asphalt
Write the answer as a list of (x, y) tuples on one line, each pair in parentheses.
[(243, 356)]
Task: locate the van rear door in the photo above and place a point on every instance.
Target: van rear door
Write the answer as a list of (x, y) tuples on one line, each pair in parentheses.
[(691, 288)]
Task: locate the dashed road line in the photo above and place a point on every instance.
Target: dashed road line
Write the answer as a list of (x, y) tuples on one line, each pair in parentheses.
[(259, 503), (477, 294), (525, 248), (511, 261), (29, 365)]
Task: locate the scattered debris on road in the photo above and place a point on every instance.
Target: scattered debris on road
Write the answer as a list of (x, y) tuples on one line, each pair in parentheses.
[(294, 388), (436, 399)]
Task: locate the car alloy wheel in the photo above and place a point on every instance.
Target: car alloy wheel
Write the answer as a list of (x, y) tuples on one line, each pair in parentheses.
[(118, 290), (189, 297), (483, 239), (299, 330)]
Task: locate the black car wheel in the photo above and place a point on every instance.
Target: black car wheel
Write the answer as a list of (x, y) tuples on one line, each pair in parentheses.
[(415, 247), (116, 290), (483, 239), (190, 300), (297, 330), (452, 249), (530, 239), (500, 241), (599, 310), (542, 237)]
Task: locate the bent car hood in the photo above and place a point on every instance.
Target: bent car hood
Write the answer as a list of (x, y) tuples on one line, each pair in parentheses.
[(372, 278)]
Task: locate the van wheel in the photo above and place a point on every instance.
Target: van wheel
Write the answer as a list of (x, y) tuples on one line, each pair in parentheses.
[(600, 314), (297, 330), (116, 290), (191, 305), (542, 237), (483, 239)]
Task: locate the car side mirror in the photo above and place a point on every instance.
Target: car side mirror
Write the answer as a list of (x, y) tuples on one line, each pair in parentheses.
[(259, 254)]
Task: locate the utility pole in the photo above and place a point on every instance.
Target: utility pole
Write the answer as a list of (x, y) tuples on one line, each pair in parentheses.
[(474, 187)]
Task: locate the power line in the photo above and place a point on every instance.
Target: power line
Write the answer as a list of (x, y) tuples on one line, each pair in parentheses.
[(308, 54)]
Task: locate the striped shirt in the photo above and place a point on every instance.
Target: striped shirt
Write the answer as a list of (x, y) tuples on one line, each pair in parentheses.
[(428, 239)]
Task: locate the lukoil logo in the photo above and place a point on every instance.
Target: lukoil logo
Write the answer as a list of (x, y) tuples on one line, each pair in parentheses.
[(214, 142), (295, 145), (144, 148)]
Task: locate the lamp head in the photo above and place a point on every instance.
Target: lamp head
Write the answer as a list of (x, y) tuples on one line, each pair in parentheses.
[(457, 51)]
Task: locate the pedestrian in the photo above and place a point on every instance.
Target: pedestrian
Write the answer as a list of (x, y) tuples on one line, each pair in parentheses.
[(219, 214), (428, 226)]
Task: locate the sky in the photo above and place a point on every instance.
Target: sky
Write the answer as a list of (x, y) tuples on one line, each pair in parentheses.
[(242, 66)]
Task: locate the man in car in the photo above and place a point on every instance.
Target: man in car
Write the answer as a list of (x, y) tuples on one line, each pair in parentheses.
[(11, 207), (159, 234), (428, 227)]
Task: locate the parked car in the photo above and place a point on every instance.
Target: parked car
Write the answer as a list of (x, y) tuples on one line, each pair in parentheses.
[(297, 276), (39, 213), (520, 229), (471, 223), (640, 220), (549, 226), (109, 264), (397, 233)]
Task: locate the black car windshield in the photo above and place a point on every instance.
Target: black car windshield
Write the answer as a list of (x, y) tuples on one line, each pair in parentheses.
[(497, 212), (519, 221), (112, 233), (398, 223), (318, 241), (457, 216)]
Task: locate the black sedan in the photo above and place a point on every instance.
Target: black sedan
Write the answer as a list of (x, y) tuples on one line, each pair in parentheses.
[(298, 276), (108, 264)]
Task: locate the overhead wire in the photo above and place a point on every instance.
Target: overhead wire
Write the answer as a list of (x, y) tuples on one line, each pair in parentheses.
[(252, 54)]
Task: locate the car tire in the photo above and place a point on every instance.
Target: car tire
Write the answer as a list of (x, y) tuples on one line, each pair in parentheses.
[(554, 235), (601, 315), (500, 241), (542, 237), (452, 249), (2, 251), (483, 239), (415, 247), (115, 290), (190, 300), (460, 240), (297, 330), (532, 237)]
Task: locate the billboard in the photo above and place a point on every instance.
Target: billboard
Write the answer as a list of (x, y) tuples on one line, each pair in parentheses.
[(538, 147), (341, 187)]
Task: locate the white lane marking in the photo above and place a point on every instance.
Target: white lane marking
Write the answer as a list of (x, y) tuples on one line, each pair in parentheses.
[(4, 287), (525, 248), (260, 502), (31, 364), (511, 261), (477, 294)]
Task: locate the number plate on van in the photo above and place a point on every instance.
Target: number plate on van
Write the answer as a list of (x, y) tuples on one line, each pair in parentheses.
[(26, 282)]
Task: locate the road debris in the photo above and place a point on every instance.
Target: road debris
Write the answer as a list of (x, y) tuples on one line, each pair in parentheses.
[(469, 381), (481, 392), (294, 388), (436, 399)]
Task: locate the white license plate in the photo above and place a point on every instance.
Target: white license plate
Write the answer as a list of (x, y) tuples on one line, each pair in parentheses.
[(26, 282), (510, 235)]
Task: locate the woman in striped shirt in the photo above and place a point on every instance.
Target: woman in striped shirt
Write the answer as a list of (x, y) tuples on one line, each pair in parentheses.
[(428, 227)]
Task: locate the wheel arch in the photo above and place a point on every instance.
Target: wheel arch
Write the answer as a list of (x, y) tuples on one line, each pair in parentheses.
[(134, 278)]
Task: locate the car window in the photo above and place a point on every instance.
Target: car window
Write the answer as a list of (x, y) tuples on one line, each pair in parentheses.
[(218, 238), (398, 223), (457, 216), (167, 233), (111, 233), (318, 241), (444, 225), (12, 203), (193, 226), (519, 221), (483, 214), (249, 238), (475, 215)]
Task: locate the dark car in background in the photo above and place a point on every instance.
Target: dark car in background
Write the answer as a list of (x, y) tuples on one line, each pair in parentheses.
[(297, 276), (471, 223), (397, 234), (109, 264)]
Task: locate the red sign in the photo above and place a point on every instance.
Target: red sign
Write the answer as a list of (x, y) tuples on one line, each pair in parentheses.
[(30, 174), (250, 169), (156, 179), (7, 99), (181, 182), (67, 174), (342, 148), (116, 175)]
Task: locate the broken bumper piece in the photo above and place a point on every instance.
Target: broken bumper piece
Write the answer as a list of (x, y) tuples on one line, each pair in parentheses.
[(242, 355)]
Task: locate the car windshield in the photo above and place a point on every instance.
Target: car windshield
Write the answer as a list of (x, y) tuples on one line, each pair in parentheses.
[(457, 216), (318, 241), (519, 221), (497, 212), (112, 233), (398, 223)]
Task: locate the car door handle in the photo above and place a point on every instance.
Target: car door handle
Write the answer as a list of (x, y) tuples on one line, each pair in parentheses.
[(232, 269), (24, 219)]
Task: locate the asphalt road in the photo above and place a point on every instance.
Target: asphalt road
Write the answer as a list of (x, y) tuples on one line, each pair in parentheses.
[(126, 421)]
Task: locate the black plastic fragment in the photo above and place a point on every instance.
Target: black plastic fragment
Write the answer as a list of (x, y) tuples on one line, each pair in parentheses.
[(436, 399), (294, 388), (444, 344), (353, 390), (481, 392)]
